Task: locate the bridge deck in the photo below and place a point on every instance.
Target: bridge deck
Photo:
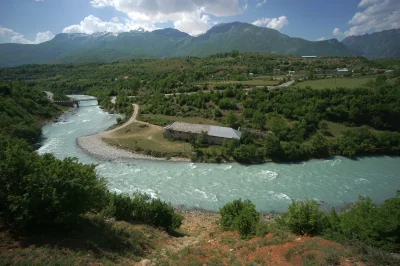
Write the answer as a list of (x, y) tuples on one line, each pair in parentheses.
[(85, 100)]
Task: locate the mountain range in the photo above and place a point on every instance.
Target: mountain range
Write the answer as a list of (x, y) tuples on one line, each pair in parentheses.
[(107, 47), (376, 45)]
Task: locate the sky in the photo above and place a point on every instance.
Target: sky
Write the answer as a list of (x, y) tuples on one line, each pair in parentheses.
[(36, 21)]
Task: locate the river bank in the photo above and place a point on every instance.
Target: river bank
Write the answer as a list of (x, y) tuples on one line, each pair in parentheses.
[(95, 146)]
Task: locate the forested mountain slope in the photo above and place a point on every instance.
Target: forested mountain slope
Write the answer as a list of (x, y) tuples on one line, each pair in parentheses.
[(376, 45), (106, 47)]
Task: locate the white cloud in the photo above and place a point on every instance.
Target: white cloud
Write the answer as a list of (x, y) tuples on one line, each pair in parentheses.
[(43, 37), (337, 32), (191, 16), (261, 3), (10, 36), (321, 39), (92, 24), (273, 23), (377, 15)]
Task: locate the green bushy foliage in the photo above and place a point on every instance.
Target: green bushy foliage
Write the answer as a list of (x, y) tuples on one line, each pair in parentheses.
[(377, 226), (262, 229), (41, 190), (240, 215), (142, 208), (304, 217)]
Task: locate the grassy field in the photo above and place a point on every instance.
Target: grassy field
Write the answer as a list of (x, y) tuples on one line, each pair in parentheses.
[(141, 137), (336, 129), (350, 83), (163, 120), (254, 82)]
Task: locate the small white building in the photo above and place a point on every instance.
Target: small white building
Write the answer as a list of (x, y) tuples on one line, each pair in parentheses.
[(309, 57), (291, 73), (342, 70)]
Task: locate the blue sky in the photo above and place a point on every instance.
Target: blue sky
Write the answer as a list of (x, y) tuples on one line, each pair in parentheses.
[(35, 21)]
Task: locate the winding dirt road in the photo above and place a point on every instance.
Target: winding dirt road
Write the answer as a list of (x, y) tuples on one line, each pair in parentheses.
[(133, 119)]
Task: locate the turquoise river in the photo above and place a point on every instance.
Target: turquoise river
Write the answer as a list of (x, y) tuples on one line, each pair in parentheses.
[(270, 186)]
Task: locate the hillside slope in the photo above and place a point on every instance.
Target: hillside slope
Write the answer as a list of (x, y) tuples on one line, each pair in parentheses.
[(376, 45)]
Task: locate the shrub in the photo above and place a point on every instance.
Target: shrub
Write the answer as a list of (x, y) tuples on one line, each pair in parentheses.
[(122, 207), (240, 215), (377, 226), (44, 191), (305, 218), (262, 229), (246, 222), (142, 208)]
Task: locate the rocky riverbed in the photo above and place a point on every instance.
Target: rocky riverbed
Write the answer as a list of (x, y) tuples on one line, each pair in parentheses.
[(96, 147)]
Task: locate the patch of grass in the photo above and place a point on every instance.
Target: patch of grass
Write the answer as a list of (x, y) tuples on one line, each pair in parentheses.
[(254, 82), (137, 137), (336, 129), (299, 249), (163, 120), (311, 259), (349, 83), (228, 240), (215, 262), (332, 256), (373, 256), (93, 240)]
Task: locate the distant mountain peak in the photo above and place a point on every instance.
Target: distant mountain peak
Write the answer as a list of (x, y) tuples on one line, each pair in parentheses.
[(140, 29), (170, 32)]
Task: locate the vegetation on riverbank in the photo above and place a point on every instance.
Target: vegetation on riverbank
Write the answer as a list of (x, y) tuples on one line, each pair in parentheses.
[(62, 205), (281, 125), (59, 212)]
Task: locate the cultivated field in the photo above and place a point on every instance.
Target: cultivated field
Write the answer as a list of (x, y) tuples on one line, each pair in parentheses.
[(254, 82), (163, 120), (350, 83)]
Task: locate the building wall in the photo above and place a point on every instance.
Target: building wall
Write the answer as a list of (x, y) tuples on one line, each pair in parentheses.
[(168, 133)]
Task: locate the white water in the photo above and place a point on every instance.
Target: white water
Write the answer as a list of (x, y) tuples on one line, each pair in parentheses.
[(270, 186)]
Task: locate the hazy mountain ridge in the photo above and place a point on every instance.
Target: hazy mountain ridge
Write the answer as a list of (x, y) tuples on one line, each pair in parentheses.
[(376, 45), (106, 46)]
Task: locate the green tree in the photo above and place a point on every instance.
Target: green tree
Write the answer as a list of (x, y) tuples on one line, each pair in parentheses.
[(272, 146), (319, 146), (259, 119), (232, 120), (45, 191), (278, 126), (240, 215), (305, 218)]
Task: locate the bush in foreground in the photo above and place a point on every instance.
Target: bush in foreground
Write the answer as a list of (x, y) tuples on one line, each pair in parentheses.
[(305, 218), (142, 208), (240, 215), (44, 191)]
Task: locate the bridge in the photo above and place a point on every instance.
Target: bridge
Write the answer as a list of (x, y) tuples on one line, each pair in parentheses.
[(72, 102)]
